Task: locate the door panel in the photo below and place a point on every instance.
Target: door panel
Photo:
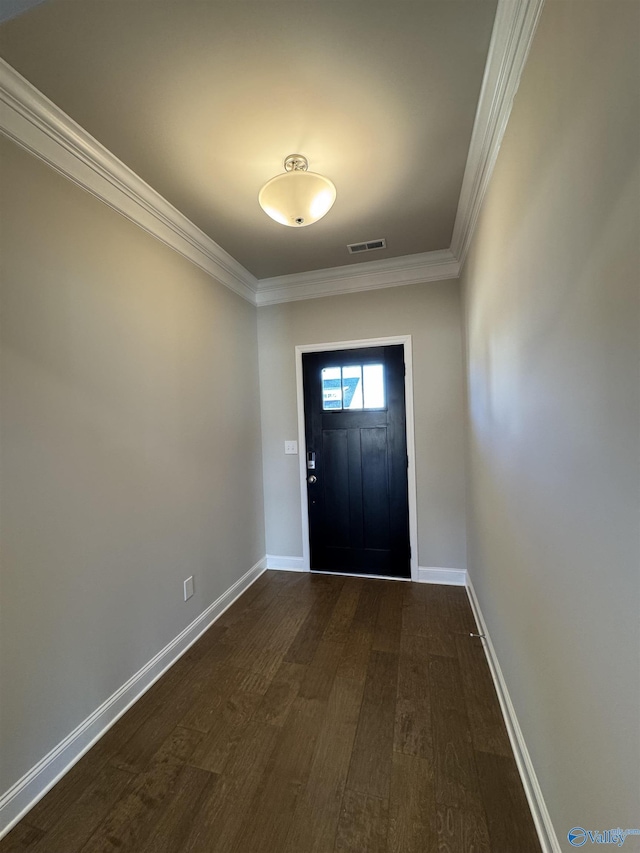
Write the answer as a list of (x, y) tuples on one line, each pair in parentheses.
[(375, 488), (358, 504), (336, 487)]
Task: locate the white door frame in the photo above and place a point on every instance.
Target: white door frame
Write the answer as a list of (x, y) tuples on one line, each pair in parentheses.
[(405, 341)]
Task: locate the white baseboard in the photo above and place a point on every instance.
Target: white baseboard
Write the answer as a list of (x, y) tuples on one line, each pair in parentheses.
[(449, 577), (26, 792), (546, 833), (356, 575), (286, 564)]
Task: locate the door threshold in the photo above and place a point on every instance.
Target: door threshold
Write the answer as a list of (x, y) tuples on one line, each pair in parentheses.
[(353, 575)]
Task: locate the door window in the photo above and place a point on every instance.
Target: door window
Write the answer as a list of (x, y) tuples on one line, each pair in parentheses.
[(353, 387)]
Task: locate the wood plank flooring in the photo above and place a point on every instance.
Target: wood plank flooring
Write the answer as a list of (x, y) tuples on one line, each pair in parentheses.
[(319, 714)]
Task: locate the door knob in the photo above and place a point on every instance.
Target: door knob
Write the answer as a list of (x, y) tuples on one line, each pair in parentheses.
[(313, 479)]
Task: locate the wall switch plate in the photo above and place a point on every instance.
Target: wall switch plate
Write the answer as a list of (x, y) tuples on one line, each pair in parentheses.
[(291, 448), (188, 588)]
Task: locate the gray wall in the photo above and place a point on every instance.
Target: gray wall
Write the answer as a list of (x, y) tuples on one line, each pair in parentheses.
[(552, 324), (431, 314), (130, 452)]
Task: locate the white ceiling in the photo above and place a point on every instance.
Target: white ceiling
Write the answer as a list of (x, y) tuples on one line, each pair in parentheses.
[(204, 99)]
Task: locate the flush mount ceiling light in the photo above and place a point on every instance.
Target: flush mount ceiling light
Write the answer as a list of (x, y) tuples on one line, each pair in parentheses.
[(298, 197)]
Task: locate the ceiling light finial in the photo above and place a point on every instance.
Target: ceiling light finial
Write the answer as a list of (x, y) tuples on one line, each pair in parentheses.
[(296, 163), (298, 197)]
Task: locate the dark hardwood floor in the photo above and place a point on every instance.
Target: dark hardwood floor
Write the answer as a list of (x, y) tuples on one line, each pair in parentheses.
[(318, 714)]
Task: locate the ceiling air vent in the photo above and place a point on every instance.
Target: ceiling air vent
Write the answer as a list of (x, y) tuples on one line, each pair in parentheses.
[(369, 246)]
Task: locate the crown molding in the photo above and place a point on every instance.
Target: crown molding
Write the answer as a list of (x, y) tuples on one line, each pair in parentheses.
[(38, 125), (353, 278), (513, 32)]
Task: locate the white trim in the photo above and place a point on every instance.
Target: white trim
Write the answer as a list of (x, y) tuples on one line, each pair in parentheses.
[(354, 278), (448, 577), (356, 575), (412, 479), (513, 31), (34, 122), (37, 124), (26, 792), (546, 833), (405, 341), (286, 564)]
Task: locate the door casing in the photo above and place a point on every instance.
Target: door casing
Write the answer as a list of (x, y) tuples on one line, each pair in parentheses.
[(405, 341)]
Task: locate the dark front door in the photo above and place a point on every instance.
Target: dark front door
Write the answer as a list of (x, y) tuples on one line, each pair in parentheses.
[(356, 441)]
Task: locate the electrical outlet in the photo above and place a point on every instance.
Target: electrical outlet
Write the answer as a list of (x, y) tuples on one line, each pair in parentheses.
[(188, 588), (291, 448)]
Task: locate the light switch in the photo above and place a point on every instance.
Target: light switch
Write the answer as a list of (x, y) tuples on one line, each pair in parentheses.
[(291, 447), (188, 588)]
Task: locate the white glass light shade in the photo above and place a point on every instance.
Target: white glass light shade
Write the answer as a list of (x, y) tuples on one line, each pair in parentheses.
[(297, 198)]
